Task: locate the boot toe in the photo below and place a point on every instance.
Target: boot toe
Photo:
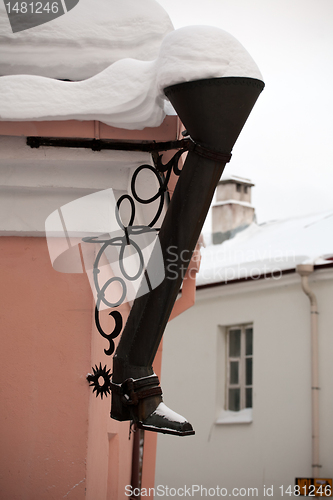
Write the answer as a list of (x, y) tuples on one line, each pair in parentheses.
[(166, 421)]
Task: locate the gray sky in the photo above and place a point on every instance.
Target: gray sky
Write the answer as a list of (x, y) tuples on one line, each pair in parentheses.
[(286, 146)]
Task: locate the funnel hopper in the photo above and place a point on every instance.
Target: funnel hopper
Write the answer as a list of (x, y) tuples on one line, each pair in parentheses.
[(215, 110)]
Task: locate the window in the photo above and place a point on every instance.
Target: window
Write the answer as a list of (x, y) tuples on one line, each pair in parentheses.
[(239, 367), (238, 188)]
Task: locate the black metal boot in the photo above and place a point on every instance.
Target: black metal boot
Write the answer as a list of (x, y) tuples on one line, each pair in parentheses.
[(140, 400)]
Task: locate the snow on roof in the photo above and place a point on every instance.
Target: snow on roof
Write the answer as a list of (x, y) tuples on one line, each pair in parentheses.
[(236, 180), (268, 248), (197, 52), (86, 40), (122, 95), (129, 93)]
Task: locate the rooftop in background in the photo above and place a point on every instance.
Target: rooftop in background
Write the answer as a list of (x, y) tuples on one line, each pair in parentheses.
[(269, 248), (236, 180), (232, 212)]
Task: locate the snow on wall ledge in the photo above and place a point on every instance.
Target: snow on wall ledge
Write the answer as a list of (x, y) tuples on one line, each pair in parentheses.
[(129, 93), (85, 41)]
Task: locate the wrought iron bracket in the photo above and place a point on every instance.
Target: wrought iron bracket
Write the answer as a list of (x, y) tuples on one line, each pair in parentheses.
[(99, 144), (186, 144)]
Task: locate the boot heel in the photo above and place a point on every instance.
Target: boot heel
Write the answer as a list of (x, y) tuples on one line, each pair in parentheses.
[(119, 411)]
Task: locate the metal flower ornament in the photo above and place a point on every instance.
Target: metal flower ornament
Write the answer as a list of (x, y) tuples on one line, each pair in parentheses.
[(102, 388)]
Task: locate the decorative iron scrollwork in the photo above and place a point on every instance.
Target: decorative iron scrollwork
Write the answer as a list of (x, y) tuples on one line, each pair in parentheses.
[(126, 238)]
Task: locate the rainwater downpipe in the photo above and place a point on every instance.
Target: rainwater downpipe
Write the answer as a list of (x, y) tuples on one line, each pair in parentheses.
[(304, 270)]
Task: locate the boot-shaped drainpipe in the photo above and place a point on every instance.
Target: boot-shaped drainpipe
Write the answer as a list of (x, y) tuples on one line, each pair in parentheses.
[(304, 270), (213, 111)]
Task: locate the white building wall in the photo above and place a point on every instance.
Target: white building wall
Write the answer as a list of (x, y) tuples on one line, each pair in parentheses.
[(276, 447)]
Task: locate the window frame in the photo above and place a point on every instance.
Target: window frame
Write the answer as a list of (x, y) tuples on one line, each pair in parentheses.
[(241, 359)]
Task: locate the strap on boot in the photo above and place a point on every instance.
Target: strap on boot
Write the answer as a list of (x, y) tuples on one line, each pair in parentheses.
[(133, 390)]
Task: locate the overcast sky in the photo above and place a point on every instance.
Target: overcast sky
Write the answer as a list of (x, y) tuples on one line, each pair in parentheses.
[(286, 146)]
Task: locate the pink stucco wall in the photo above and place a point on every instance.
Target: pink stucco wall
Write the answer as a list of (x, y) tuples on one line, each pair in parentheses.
[(44, 359), (56, 438)]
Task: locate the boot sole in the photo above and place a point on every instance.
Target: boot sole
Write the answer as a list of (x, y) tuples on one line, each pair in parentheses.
[(163, 430)]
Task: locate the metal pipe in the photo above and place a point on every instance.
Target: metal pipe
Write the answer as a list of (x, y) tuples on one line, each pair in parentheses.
[(136, 464), (214, 112), (304, 270)]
